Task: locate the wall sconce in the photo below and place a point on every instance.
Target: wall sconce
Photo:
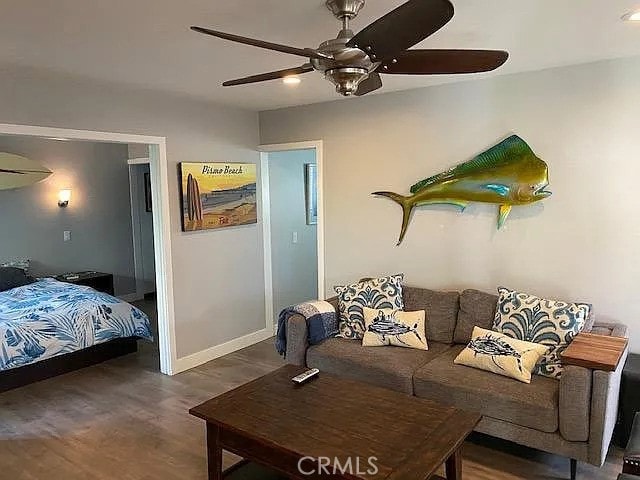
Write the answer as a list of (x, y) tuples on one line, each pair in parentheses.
[(63, 198)]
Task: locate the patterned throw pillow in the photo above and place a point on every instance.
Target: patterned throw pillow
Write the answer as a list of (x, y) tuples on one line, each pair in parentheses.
[(501, 354), (384, 292), (549, 322), (394, 327), (22, 263)]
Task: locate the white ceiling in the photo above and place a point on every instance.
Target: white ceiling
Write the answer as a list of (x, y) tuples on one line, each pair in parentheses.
[(147, 42)]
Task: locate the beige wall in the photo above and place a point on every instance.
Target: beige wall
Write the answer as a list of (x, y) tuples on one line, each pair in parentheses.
[(218, 276), (583, 243)]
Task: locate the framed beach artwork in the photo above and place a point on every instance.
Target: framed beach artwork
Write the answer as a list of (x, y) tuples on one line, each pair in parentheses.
[(311, 192), (217, 195)]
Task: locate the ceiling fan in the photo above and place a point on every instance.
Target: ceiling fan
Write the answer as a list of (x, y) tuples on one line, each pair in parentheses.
[(353, 63)]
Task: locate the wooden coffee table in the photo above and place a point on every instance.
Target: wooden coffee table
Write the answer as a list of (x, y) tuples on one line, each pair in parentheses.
[(287, 427)]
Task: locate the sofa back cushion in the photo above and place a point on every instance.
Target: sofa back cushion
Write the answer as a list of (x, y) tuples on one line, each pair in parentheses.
[(477, 309), (441, 309)]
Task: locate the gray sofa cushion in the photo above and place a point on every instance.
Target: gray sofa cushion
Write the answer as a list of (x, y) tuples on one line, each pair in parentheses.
[(389, 367), (534, 405), (477, 309), (441, 309)]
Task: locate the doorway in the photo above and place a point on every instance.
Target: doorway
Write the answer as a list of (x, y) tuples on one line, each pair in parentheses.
[(159, 179), (293, 224)]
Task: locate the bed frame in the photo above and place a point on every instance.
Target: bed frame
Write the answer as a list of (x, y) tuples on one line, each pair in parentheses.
[(52, 367)]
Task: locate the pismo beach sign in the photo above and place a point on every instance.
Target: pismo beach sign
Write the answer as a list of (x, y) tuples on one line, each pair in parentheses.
[(217, 195)]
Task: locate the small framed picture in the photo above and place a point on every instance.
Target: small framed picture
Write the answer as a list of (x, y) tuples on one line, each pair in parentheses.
[(311, 192)]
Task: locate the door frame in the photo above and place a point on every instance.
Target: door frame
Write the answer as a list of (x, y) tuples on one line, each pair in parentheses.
[(264, 150), (161, 219)]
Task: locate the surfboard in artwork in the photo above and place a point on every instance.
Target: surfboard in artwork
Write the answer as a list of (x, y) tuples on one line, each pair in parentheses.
[(17, 171), (217, 195)]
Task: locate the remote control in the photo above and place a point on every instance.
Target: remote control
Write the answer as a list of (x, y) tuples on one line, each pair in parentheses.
[(305, 376)]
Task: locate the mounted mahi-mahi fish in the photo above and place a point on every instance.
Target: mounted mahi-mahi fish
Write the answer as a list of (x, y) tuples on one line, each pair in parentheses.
[(17, 171), (507, 174)]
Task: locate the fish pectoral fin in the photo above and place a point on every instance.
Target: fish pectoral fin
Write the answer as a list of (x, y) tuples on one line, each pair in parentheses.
[(503, 214), (455, 203), (499, 188)]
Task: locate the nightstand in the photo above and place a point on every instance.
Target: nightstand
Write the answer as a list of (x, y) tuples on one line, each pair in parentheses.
[(102, 282)]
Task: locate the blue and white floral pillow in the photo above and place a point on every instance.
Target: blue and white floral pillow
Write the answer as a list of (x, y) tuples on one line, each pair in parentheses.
[(379, 293), (548, 322)]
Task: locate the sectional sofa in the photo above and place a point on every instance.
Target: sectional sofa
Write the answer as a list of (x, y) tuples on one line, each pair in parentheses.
[(574, 416)]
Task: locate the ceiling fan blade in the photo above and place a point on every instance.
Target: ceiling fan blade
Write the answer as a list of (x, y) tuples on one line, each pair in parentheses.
[(434, 62), (302, 52), (263, 77), (403, 27), (372, 83)]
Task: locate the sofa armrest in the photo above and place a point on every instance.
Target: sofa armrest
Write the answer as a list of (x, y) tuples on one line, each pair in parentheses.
[(575, 394), (605, 392), (298, 336), (297, 340), (575, 403)]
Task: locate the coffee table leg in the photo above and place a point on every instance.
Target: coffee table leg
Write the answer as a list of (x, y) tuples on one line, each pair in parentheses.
[(453, 466), (214, 452)]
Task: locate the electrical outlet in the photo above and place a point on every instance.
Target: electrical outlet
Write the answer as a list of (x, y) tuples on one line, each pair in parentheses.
[(294, 237), (66, 235)]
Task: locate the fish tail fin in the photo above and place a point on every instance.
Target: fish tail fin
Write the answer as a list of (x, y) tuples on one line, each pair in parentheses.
[(407, 207)]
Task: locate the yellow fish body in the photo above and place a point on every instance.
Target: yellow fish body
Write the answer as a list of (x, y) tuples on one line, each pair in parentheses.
[(507, 174)]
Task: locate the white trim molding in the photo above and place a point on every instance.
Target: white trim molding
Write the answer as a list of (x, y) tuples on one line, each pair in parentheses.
[(204, 356), (266, 219), (161, 220)]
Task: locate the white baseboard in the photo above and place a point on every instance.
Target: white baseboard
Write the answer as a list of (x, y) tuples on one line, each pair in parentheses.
[(204, 356)]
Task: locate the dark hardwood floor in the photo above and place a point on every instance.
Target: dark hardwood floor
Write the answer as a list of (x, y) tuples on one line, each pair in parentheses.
[(124, 420)]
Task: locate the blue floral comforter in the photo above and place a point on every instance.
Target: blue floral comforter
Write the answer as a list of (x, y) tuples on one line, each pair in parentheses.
[(50, 318)]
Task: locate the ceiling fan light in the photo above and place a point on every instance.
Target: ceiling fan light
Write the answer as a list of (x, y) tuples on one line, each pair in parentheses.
[(632, 16), (291, 80)]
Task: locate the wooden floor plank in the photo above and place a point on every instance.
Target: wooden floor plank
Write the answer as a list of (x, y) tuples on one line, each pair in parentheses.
[(97, 423)]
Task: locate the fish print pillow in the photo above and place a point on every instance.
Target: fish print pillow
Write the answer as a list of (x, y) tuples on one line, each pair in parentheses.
[(549, 322), (501, 354), (394, 327), (383, 292)]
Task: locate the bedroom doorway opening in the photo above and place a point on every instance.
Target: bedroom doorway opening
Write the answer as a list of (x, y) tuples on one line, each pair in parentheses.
[(75, 185), (293, 224)]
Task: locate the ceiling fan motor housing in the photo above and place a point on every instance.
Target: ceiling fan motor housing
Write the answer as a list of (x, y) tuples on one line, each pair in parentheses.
[(345, 67)]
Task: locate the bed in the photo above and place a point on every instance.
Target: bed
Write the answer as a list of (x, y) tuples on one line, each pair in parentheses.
[(50, 327)]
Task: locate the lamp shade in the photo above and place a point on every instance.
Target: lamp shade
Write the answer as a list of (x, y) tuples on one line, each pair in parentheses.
[(63, 197)]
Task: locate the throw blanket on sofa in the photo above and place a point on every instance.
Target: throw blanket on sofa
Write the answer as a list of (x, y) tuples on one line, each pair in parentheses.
[(322, 322)]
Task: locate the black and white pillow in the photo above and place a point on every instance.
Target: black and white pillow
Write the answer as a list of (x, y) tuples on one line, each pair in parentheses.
[(380, 293), (549, 322)]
